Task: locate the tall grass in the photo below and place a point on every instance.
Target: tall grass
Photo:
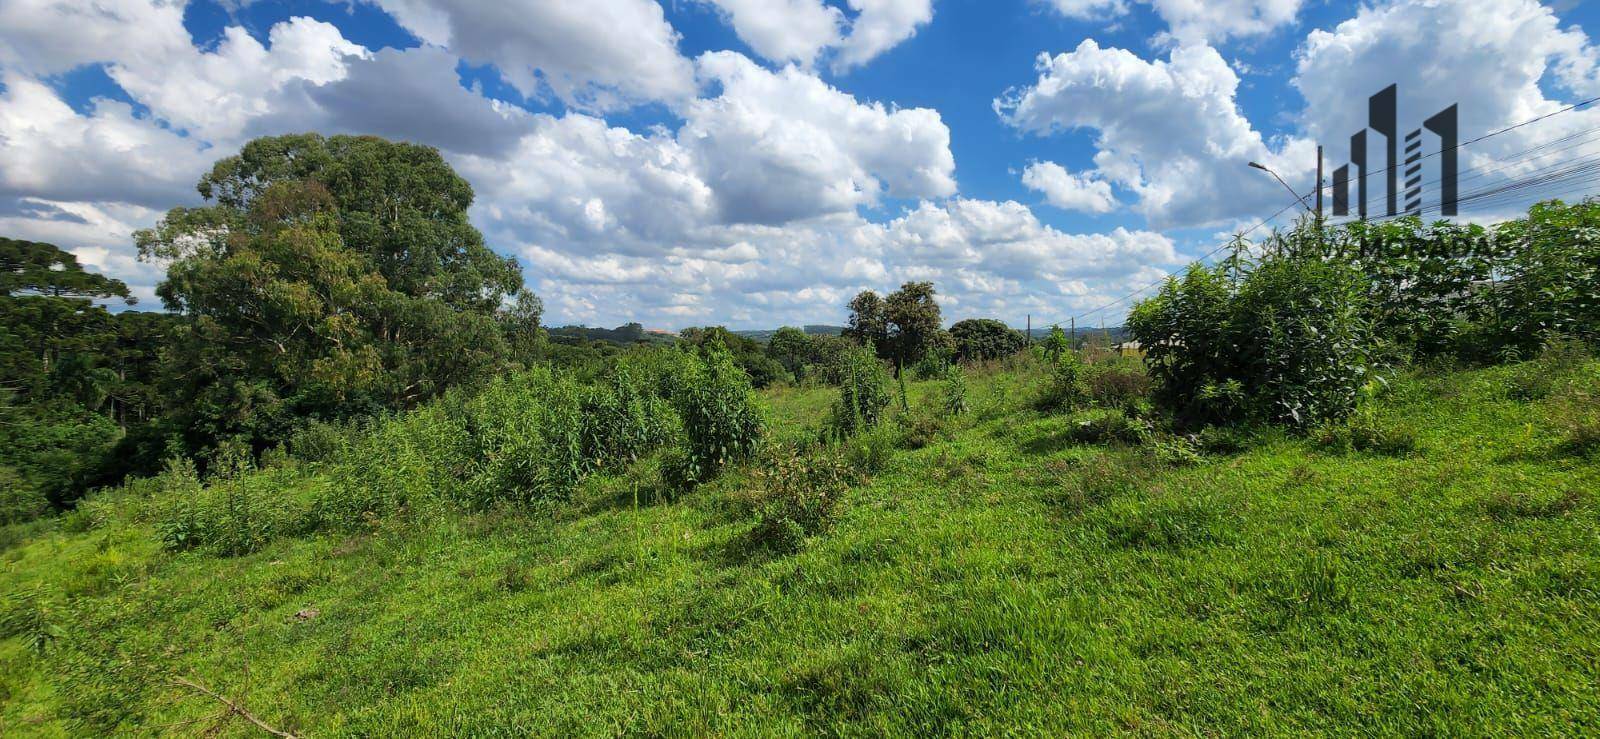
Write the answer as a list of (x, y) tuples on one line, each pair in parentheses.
[(528, 439)]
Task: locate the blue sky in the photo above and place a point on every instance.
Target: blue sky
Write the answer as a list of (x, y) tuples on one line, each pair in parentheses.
[(755, 163)]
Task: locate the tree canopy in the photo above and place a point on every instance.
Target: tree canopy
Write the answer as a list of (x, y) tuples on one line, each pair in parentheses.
[(36, 268), (914, 320), (329, 277), (869, 323), (985, 338)]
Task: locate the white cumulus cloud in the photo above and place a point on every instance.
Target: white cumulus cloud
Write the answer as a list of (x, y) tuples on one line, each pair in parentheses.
[(800, 31), (776, 146), (1069, 191), (596, 54), (1168, 130), (1194, 21)]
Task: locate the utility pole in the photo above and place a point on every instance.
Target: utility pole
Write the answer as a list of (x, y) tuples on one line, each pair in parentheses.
[(1030, 329), (1319, 185), (1074, 342)]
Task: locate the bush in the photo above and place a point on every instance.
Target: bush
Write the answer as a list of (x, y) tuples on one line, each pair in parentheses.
[(863, 394), (1119, 384), (180, 523), (829, 359), (1065, 388), (1529, 381), (932, 365), (1109, 427), (1551, 276), (1223, 440), (235, 515), (796, 497), (1175, 451), (870, 452), (720, 421), (954, 399), (319, 441), (1053, 345), (1287, 344), (523, 441), (1423, 278), (26, 614), (919, 430), (623, 419), (398, 461)]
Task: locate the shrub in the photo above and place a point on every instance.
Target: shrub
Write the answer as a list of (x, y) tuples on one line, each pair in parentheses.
[(1065, 388), (623, 419), (954, 400), (919, 430), (521, 440), (1287, 344), (398, 461), (869, 452), (1423, 278), (1308, 359), (1109, 427), (932, 365), (180, 524), (1222, 440), (319, 441), (1054, 345), (1175, 451), (1120, 384), (829, 359), (234, 515), (863, 394), (797, 496), (1529, 381), (720, 421), (26, 613), (1551, 276)]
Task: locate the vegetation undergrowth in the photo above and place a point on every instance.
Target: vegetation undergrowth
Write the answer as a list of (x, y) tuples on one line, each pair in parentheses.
[(1012, 570)]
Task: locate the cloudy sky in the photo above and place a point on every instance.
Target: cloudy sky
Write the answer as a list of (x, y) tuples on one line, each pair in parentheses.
[(756, 162)]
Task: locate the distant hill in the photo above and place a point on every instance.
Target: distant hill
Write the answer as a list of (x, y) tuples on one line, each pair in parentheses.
[(764, 335), (1118, 333), (628, 333)]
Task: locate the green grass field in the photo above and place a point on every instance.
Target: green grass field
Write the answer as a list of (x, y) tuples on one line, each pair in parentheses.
[(998, 579)]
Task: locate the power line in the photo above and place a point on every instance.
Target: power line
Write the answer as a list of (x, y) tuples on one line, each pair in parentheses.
[(1508, 162), (1320, 186)]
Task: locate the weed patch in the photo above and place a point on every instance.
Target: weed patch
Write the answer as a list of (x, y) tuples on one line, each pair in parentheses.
[(1365, 432), (795, 496), (1509, 506), (1083, 486), (1169, 526)]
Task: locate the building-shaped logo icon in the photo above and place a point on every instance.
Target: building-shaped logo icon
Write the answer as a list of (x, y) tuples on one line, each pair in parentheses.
[(1381, 118)]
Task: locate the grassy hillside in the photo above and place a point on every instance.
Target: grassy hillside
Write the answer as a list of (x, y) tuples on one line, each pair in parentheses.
[(992, 573)]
